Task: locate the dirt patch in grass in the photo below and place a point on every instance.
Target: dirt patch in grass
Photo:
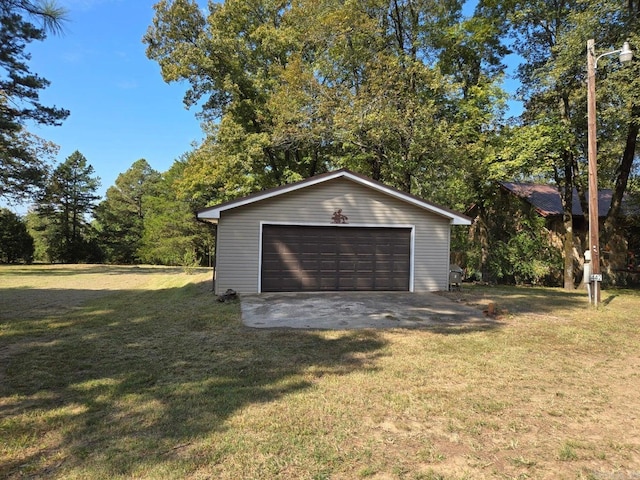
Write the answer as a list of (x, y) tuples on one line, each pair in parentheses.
[(130, 373)]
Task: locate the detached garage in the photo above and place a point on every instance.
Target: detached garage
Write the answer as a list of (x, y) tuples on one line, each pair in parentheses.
[(337, 231)]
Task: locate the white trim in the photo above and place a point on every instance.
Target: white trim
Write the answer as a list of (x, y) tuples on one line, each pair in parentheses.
[(213, 213), (411, 257), (455, 219), (259, 276), (342, 225), (448, 269)]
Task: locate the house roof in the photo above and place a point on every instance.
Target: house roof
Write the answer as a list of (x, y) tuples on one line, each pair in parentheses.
[(547, 201), (213, 213)]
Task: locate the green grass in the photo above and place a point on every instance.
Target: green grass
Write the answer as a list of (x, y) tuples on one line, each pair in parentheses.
[(116, 372)]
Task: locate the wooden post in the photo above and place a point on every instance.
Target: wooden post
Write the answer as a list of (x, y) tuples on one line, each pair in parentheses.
[(594, 231)]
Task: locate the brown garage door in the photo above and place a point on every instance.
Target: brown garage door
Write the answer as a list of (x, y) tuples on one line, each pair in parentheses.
[(297, 258)]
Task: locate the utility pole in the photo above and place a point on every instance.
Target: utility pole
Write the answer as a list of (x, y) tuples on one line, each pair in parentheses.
[(626, 55), (594, 230)]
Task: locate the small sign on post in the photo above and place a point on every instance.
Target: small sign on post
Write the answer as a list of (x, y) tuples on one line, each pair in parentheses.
[(596, 277)]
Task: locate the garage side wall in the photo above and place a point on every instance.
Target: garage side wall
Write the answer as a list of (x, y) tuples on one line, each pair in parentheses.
[(238, 252)]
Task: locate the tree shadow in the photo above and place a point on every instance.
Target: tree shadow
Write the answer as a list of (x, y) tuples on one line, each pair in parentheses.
[(131, 375), (520, 300), (462, 327), (66, 270)]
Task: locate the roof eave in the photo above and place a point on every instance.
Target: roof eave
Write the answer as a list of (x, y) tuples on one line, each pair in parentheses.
[(213, 213), (453, 217), (209, 215)]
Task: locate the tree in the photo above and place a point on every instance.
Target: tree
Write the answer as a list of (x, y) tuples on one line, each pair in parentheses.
[(120, 216), (395, 89), (22, 167), (234, 60), (172, 235), (15, 242), (536, 28), (551, 38), (619, 101), (69, 198), (40, 228)]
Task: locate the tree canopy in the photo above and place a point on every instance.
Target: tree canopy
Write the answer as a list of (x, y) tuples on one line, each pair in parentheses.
[(408, 92), (69, 199), (16, 245), (405, 91), (23, 156), (398, 90), (120, 216)]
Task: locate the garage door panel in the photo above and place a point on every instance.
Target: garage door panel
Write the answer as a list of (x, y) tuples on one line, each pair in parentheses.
[(296, 258), (365, 266), (328, 266), (327, 249), (327, 283), (364, 283), (384, 265)]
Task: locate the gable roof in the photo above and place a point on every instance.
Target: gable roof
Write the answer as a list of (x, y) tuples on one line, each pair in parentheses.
[(213, 213), (547, 201)]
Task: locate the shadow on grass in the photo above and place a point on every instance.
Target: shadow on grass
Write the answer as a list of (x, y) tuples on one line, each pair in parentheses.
[(522, 300), (62, 270), (445, 327), (125, 379)]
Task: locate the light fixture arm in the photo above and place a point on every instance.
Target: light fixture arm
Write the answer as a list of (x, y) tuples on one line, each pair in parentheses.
[(626, 54)]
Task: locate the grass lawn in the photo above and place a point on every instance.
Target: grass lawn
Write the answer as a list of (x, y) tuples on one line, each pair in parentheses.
[(135, 372)]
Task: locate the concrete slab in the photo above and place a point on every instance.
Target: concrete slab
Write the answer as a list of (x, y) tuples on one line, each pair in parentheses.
[(355, 310)]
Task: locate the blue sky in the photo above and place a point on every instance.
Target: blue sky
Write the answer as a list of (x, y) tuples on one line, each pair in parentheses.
[(121, 109)]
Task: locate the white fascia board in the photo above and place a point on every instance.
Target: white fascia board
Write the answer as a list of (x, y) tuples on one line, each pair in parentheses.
[(214, 212), (209, 214), (461, 221), (455, 219)]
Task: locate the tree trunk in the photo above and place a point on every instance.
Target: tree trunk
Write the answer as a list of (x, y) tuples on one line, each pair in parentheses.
[(566, 194), (569, 274), (623, 173), (567, 220)]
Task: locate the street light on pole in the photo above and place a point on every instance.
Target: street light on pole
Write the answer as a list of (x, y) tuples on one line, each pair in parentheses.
[(626, 55)]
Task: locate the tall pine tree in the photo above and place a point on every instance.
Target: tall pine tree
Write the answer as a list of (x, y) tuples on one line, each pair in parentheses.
[(68, 201)]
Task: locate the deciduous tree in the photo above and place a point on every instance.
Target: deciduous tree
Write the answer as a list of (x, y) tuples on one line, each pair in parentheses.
[(172, 235), (120, 216), (551, 38), (16, 245), (395, 89)]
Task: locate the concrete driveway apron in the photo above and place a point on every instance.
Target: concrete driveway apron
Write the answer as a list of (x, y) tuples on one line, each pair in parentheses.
[(353, 310)]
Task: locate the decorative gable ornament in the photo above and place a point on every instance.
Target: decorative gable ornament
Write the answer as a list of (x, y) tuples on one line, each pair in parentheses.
[(339, 217)]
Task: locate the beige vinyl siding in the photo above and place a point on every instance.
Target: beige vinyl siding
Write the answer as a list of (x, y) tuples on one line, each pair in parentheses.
[(238, 252)]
